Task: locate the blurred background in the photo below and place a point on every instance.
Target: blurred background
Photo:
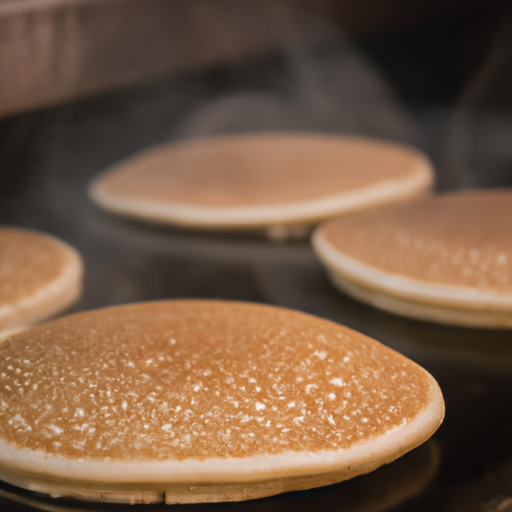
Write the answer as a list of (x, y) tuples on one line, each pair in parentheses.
[(86, 83), (432, 73)]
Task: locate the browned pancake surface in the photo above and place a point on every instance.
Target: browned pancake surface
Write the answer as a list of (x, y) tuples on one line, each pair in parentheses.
[(193, 379), (459, 239), (259, 170), (28, 262)]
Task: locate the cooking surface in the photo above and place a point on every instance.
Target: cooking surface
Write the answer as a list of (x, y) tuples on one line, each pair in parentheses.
[(47, 159)]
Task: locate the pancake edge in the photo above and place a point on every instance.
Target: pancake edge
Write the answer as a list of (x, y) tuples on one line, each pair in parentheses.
[(444, 315), (405, 484), (402, 288)]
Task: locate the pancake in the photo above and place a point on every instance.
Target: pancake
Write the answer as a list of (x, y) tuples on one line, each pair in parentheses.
[(203, 401), (275, 182), (39, 277), (444, 259)]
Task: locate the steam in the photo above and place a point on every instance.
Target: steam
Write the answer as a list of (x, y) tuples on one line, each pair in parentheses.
[(317, 83), (479, 152)]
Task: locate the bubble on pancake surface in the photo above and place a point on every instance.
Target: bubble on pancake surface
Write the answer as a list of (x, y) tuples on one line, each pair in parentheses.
[(200, 380)]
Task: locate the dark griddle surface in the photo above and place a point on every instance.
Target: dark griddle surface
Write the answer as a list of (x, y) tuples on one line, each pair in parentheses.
[(48, 157)]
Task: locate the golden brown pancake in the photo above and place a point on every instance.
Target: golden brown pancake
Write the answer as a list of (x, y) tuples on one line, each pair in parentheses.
[(272, 181), (39, 276), (446, 258), (202, 401)]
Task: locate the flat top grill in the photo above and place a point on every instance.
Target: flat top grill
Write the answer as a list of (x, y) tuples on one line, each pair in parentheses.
[(47, 158)]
